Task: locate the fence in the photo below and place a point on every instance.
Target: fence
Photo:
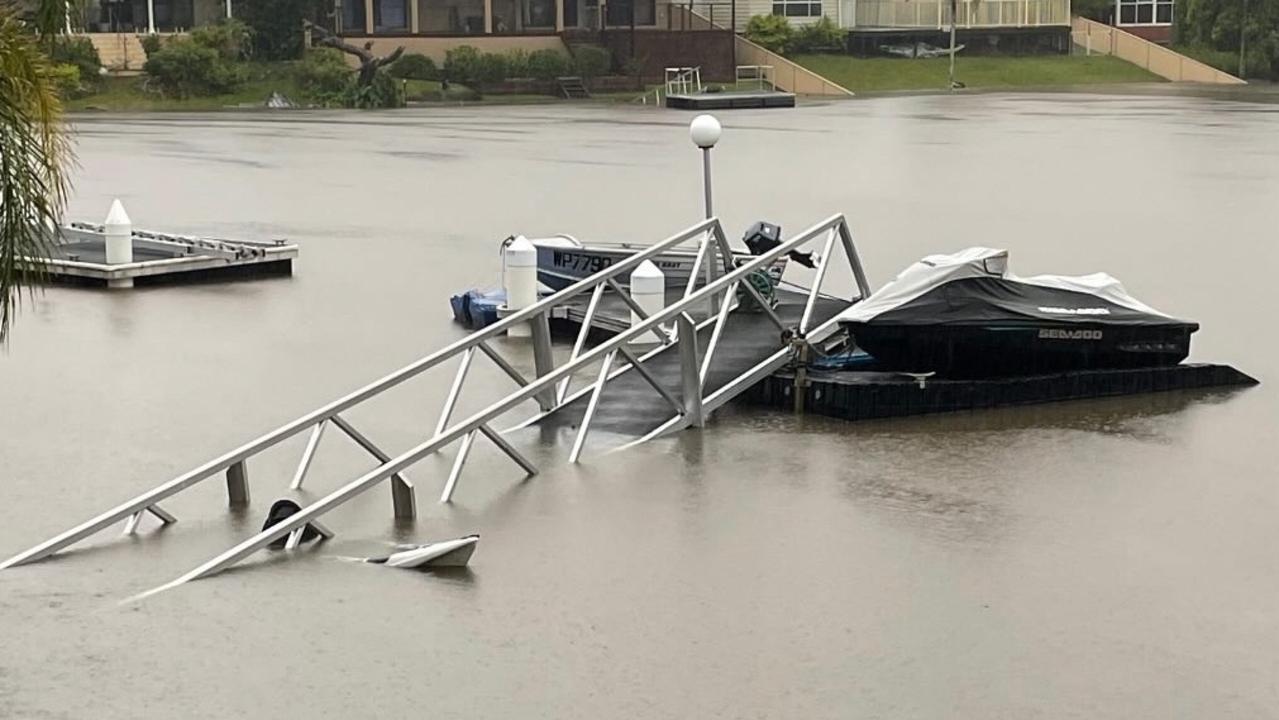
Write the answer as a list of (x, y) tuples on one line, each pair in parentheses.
[(972, 13), (787, 75), (1099, 39), (702, 15)]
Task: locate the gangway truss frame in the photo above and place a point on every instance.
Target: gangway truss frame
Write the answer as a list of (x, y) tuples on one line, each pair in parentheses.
[(713, 286)]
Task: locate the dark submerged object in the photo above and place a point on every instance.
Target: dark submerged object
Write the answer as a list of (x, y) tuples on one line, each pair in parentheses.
[(964, 315), (280, 511)]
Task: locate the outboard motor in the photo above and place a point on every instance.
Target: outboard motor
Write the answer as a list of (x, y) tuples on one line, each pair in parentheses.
[(280, 511), (762, 237)]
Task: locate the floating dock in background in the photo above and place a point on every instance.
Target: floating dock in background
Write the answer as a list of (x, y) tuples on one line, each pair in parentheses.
[(115, 255), (731, 100), (81, 259), (869, 395)]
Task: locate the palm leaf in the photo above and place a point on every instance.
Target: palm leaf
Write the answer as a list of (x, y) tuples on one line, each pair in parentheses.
[(35, 152)]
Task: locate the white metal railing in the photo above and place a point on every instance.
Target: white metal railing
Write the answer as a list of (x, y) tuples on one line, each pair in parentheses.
[(683, 80), (549, 389), (935, 14), (760, 75)]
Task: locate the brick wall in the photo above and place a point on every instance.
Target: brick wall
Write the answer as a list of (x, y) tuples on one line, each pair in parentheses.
[(1161, 34)]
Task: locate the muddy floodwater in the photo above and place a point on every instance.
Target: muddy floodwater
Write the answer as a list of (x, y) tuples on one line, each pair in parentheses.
[(1107, 559)]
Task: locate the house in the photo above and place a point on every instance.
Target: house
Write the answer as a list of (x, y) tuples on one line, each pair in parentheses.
[(657, 33), (1147, 19), (150, 16)]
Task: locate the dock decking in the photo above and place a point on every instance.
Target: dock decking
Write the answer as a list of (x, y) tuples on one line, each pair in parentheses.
[(628, 407), (731, 100)]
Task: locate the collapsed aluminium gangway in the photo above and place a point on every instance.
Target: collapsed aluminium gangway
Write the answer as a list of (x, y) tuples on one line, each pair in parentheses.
[(707, 351)]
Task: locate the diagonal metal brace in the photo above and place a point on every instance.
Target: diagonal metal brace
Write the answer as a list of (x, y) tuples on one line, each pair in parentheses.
[(402, 495)]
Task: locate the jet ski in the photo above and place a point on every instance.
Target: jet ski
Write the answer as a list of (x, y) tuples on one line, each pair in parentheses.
[(966, 315)]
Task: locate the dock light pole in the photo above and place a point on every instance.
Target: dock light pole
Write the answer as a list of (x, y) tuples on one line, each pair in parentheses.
[(705, 131)]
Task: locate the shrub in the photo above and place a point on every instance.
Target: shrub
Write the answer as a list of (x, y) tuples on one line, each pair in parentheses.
[(517, 64), (77, 51), (277, 24), (1218, 24), (231, 38), (547, 64), (462, 64), (817, 36), (183, 68), (634, 67), (772, 32), (324, 73), (592, 61), (151, 44), (414, 66), (67, 79), (385, 92), (492, 68)]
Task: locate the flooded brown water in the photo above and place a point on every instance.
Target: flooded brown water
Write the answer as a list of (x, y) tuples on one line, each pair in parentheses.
[(1110, 559)]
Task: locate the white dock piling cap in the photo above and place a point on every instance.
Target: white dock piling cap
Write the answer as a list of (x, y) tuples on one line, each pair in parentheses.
[(648, 279), (647, 269), (117, 217), (521, 253)]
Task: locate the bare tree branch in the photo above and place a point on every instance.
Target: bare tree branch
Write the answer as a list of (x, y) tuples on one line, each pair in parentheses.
[(369, 63)]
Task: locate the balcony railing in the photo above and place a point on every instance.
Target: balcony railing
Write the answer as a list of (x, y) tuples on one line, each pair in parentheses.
[(972, 13)]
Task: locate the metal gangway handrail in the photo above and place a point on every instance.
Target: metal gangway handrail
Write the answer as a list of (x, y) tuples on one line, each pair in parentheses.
[(683, 80), (549, 389)]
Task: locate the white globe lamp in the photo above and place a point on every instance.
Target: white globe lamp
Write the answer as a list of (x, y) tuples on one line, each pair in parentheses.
[(705, 131)]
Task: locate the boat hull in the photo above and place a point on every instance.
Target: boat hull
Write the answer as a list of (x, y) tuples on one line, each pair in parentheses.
[(559, 267), (993, 350), (450, 553)]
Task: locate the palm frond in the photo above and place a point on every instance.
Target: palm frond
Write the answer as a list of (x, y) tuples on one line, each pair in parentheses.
[(35, 153)]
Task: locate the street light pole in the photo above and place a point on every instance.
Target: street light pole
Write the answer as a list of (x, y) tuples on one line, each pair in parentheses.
[(705, 131), (954, 12), (1243, 17)]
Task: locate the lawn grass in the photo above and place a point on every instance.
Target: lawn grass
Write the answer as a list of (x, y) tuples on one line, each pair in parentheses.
[(888, 74)]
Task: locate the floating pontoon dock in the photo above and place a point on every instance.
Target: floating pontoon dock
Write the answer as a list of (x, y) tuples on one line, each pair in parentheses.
[(731, 100), (684, 90), (869, 395), (80, 255)]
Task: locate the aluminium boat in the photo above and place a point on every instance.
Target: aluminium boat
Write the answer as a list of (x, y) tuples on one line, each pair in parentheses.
[(965, 315), (563, 260)]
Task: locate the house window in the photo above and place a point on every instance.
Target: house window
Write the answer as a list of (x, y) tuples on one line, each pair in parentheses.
[(390, 16), (1145, 12), (797, 8)]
